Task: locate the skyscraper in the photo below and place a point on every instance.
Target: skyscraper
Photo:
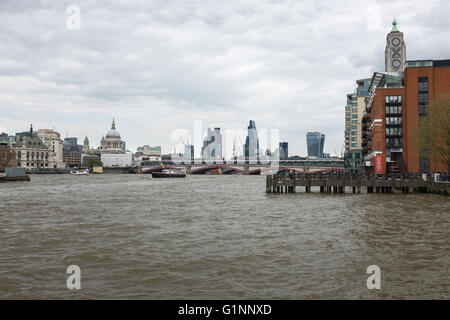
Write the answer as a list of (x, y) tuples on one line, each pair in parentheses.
[(212, 145), (284, 151), (354, 111), (251, 147), (315, 142)]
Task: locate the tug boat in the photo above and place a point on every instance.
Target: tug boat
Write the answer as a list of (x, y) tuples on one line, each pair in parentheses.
[(170, 173), (80, 172)]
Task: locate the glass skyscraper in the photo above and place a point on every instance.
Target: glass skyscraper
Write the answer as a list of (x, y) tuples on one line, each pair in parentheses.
[(315, 142), (284, 151), (251, 147)]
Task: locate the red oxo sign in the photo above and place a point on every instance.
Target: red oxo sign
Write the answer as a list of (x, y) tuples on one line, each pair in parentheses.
[(379, 163)]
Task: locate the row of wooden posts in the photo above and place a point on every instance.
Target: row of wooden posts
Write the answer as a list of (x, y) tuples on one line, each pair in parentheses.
[(337, 183)]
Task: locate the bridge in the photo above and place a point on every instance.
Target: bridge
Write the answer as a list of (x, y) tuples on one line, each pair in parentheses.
[(297, 166)]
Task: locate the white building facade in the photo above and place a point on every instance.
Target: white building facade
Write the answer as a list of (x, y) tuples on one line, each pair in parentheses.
[(52, 140)]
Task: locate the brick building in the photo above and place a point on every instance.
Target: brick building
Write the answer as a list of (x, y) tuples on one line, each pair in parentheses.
[(391, 123), (424, 81), (397, 99), (7, 159)]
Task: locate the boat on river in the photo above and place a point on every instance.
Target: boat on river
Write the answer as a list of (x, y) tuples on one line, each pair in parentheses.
[(170, 173), (80, 172)]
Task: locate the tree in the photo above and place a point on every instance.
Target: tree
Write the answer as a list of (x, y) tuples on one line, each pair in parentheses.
[(434, 132), (94, 162)]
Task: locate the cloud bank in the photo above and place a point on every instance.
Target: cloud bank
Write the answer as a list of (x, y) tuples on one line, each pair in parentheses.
[(158, 66)]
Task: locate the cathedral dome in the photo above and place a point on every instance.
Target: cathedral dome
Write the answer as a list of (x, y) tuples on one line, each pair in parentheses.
[(113, 133)]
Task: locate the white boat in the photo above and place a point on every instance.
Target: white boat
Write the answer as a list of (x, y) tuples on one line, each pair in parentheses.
[(80, 172), (170, 173)]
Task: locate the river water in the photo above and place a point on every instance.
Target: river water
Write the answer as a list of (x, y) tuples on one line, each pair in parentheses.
[(216, 237)]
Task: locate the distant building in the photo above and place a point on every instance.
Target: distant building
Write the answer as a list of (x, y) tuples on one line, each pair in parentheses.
[(315, 142), (7, 158), (148, 151), (52, 140), (5, 138), (117, 159), (251, 147), (112, 143), (72, 141), (296, 158), (284, 151), (188, 154), (354, 111), (86, 146), (212, 145), (30, 152)]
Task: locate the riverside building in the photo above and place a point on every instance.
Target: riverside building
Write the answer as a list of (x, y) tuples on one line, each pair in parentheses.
[(30, 152), (52, 140), (397, 99), (7, 159), (354, 111)]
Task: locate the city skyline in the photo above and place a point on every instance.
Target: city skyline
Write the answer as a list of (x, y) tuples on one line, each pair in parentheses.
[(156, 73)]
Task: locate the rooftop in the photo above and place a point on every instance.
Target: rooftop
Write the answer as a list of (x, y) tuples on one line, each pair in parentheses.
[(427, 63)]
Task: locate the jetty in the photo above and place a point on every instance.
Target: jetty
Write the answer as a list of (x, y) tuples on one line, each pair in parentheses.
[(14, 174), (355, 183)]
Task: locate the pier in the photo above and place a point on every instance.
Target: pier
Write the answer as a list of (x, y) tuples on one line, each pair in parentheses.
[(357, 183)]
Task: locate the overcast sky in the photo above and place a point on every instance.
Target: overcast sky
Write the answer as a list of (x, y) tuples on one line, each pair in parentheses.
[(158, 66)]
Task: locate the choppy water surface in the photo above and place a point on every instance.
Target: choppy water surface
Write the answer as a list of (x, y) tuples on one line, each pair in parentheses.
[(216, 237)]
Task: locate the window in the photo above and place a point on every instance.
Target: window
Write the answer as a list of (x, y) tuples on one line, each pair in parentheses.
[(354, 116), (347, 118), (423, 84), (353, 145), (423, 98), (354, 127), (423, 109), (353, 138), (353, 133), (347, 114), (355, 110), (354, 121)]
